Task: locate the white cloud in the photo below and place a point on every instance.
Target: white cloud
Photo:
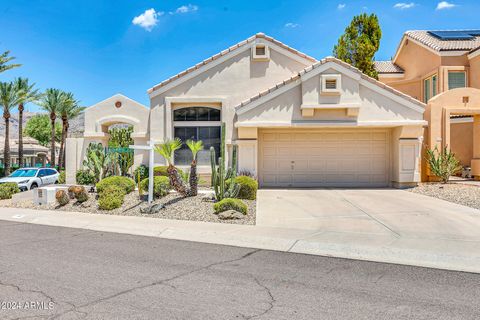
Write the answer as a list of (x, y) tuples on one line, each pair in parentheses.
[(185, 9), (291, 25), (147, 20), (445, 5), (341, 6), (403, 5)]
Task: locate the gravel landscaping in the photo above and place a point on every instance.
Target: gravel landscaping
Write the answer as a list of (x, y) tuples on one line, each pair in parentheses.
[(467, 195), (176, 207)]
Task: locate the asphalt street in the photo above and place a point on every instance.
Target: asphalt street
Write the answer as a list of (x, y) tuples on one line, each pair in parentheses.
[(62, 273)]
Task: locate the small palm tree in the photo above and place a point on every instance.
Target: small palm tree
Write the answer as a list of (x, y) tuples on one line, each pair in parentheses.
[(51, 102), (195, 147), (4, 59), (167, 150), (69, 109), (29, 94), (10, 96)]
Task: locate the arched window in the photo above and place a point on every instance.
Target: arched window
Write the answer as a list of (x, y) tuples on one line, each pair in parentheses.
[(197, 123)]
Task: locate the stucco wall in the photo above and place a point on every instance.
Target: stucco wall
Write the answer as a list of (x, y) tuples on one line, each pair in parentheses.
[(232, 82), (461, 141), (475, 72)]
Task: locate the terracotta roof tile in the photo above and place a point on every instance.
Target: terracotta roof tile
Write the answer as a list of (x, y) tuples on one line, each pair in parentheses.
[(226, 51), (387, 67), (437, 44)]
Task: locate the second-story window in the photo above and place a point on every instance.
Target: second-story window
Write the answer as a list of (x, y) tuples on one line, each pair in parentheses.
[(457, 79), (429, 88)]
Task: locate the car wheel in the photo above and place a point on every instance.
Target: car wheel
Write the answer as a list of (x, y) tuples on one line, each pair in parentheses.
[(33, 186)]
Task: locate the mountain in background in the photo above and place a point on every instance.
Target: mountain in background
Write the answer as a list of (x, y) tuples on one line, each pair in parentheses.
[(76, 125)]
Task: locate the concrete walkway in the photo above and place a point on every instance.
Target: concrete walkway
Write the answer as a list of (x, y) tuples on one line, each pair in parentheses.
[(391, 226)]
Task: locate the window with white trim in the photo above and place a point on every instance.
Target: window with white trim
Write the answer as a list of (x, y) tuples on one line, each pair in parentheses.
[(197, 123), (331, 83), (260, 52)]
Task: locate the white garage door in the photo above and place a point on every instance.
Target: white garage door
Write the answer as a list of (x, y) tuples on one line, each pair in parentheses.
[(323, 158)]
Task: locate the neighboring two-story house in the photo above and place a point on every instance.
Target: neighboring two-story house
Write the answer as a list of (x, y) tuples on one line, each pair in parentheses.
[(429, 63)]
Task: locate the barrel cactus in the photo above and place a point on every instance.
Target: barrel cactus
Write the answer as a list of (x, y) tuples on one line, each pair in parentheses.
[(62, 197)]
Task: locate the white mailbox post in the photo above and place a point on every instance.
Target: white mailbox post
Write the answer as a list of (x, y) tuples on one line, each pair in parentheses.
[(151, 156)]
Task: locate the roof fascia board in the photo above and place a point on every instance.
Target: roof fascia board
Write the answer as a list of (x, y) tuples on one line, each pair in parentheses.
[(198, 71), (224, 58), (394, 97), (267, 97), (474, 54), (330, 65), (391, 75), (326, 124)]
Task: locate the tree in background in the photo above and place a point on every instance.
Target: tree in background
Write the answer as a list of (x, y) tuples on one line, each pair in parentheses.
[(358, 45), (68, 110), (39, 127), (10, 97), (29, 94), (52, 102), (4, 59)]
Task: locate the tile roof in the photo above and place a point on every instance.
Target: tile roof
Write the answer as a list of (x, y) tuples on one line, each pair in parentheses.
[(387, 67), (437, 44), (226, 51), (320, 63)]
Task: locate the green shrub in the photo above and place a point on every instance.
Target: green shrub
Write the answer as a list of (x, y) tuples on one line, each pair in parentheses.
[(161, 186), (85, 177), (230, 204), (8, 189), (160, 171), (126, 183), (111, 197), (248, 187), (143, 170), (62, 197), (61, 177), (443, 164)]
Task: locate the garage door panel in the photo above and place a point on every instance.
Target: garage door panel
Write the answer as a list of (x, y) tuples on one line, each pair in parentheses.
[(298, 158)]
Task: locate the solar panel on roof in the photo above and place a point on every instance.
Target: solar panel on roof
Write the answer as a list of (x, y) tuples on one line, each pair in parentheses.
[(455, 35)]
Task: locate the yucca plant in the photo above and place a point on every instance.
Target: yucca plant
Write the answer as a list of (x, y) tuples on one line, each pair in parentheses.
[(167, 150), (443, 164), (195, 147)]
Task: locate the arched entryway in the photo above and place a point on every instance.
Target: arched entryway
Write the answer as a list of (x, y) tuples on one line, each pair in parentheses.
[(441, 112), (117, 109)]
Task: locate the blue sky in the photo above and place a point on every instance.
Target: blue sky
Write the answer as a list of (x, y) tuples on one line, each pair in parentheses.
[(98, 48)]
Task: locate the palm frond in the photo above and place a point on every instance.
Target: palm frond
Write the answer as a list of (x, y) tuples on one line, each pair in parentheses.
[(168, 148), (195, 147), (10, 96), (4, 59)]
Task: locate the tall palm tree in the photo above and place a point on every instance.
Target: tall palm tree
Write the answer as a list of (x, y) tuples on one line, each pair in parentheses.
[(51, 102), (4, 59), (68, 110), (29, 94), (195, 147), (10, 96), (167, 150)]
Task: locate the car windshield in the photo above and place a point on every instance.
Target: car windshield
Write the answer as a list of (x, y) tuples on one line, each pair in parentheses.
[(24, 173)]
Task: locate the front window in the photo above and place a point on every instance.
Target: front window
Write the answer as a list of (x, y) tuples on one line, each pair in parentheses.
[(457, 79), (429, 88), (27, 173), (205, 125)]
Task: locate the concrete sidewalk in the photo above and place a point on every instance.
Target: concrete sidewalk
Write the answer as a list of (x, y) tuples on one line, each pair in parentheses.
[(443, 254)]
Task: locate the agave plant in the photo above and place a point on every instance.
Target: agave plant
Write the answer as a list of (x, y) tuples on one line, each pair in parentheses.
[(167, 150), (443, 164), (195, 147)]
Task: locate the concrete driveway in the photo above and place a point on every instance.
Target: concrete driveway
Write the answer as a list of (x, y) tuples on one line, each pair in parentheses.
[(378, 215)]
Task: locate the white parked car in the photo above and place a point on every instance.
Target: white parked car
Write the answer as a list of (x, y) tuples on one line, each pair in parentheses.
[(31, 178)]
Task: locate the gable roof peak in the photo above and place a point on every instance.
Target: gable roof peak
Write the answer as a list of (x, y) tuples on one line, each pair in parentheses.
[(240, 44)]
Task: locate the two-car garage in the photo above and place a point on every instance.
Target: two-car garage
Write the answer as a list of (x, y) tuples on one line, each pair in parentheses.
[(324, 157)]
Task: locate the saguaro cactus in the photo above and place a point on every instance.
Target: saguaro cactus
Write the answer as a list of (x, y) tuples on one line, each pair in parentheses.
[(223, 180)]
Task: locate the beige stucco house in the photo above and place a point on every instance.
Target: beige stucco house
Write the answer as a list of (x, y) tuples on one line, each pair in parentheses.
[(298, 122), (442, 69)]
